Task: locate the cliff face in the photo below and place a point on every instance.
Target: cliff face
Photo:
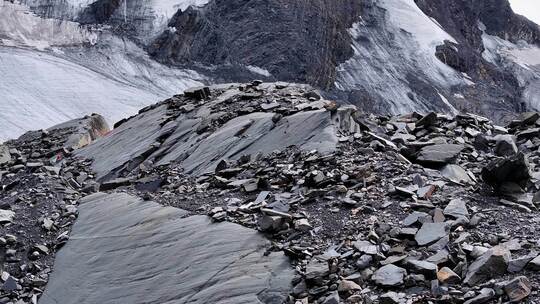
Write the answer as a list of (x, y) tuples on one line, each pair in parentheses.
[(385, 56), (296, 40)]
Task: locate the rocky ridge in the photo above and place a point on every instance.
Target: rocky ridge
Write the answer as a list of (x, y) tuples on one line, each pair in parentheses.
[(414, 208)]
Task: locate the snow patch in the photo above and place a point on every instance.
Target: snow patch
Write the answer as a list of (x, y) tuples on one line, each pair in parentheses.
[(258, 70), (448, 104)]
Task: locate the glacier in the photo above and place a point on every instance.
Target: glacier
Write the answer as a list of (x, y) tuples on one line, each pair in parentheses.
[(523, 59), (413, 37), (55, 70)]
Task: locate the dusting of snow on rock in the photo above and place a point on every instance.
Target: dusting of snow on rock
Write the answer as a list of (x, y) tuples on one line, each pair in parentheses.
[(64, 9), (387, 71), (20, 27), (522, 59), (170, 7), (259, 70)]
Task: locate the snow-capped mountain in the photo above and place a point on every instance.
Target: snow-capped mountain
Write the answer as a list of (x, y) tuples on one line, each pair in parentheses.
[(53, 70), (61, 59)]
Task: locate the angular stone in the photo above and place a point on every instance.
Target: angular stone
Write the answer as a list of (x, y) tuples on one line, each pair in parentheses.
[(491, 264), (6, 216), (423, 267), (270, 223), (302, 225), (198, 93), (10, 284), (389, 275), (415, 217), (390, 297), (505, 145), (5, 156), (366, 247), (428, 120), (316, 268), (513, 169), (346, 286), (447, 276), (486, 294), (518, 289), (524, 119), (439, 154), (333, 298), (456, 208), (456, 174), (518, 264), (430, 233), (534, 264)]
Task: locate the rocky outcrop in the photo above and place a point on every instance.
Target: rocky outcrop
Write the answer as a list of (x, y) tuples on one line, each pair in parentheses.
[(136, 251), (305, 46), (359, 215), (237, 120)]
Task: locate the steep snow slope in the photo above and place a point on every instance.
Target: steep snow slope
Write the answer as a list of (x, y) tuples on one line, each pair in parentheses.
[(55, 70), (389, 58), (523, 59)]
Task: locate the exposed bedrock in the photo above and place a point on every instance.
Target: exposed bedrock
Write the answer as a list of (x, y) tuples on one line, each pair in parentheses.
[(124, 248)]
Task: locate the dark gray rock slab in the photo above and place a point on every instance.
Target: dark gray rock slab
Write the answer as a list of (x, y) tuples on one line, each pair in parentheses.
[(456, 208), (439, 154), (514, 169), (489, 265), (125, 250), (430, 233)]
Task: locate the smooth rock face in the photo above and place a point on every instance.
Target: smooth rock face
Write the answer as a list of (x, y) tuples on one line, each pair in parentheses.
[(439, 154), (125, 250), (430, 233), (389, 275), (155, 136)]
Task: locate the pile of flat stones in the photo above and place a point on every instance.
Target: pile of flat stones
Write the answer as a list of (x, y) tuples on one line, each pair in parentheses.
[(414, 208), (39, 188), (408, 209)]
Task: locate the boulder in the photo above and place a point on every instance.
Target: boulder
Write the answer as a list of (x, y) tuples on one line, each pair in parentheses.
[(514, 169), (489, 265), (505, 145), (439, 154), (389, 275), (518, 289)]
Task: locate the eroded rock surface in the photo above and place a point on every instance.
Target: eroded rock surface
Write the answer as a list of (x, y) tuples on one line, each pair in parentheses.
[(124, 248)]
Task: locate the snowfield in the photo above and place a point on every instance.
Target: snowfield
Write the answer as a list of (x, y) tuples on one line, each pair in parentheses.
[(55, 70)]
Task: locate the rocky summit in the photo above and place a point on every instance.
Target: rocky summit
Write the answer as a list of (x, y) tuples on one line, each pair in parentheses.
[(269, 193)]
